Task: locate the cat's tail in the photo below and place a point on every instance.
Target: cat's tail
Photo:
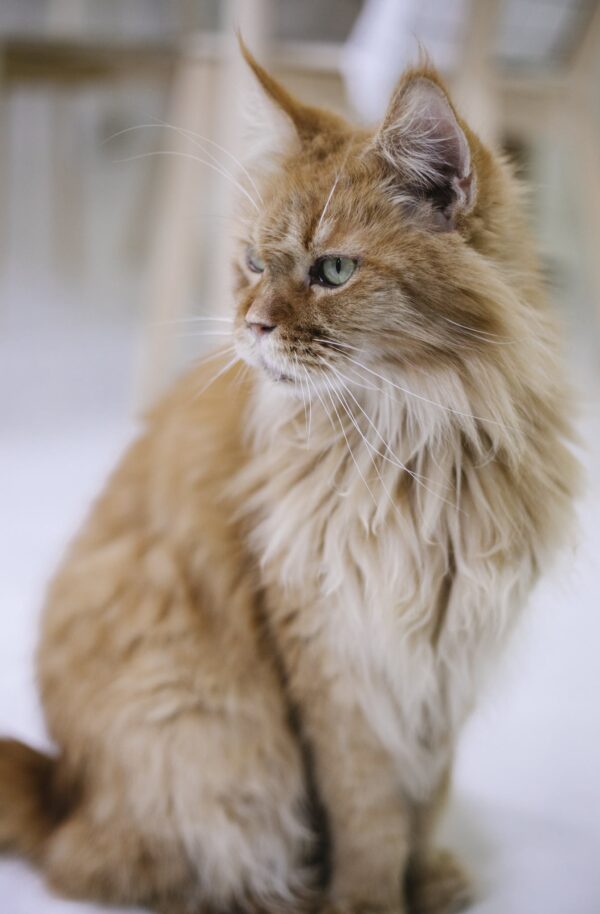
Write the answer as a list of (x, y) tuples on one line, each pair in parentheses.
[(28, 806)]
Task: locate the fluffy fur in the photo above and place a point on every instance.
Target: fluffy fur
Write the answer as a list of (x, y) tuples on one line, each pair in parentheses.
[(258, 653)]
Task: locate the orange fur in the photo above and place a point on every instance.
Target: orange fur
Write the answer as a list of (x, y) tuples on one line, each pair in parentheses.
[(257, 655)]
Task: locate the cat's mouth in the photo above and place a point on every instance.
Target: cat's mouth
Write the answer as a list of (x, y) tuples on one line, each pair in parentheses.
[(275, 373), (272, 358)]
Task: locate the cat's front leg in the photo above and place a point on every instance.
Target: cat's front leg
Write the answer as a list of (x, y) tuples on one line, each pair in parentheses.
[(436, 882), (367, 815), (359, 786)]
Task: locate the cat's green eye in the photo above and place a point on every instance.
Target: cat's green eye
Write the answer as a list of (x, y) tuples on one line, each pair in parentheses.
[(333, 271), (254, 261)]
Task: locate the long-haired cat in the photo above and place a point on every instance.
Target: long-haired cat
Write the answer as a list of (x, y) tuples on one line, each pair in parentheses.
[(259, 651)]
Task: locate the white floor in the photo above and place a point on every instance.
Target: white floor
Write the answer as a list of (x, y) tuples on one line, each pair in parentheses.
[(526, 812)]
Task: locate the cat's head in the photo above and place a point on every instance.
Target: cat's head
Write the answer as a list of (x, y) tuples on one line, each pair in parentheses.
[(375, 247)]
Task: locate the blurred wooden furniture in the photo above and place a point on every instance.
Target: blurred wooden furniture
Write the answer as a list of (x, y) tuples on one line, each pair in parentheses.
[(66, 63), (542, 107), (203, 72)]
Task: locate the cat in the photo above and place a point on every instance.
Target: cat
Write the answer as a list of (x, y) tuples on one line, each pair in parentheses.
[(258, 653)]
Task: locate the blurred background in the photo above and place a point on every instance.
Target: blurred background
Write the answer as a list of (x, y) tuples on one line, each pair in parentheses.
[(116, 195)]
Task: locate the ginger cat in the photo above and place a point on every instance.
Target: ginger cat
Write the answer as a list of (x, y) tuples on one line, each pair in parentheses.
[(257, 656)]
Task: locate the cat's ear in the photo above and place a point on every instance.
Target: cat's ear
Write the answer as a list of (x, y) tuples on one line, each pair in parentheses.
[(278, 111), (424, 145)]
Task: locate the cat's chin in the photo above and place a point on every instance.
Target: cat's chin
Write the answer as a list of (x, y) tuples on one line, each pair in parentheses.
[(276, 375), (273, 372), (279, 382)]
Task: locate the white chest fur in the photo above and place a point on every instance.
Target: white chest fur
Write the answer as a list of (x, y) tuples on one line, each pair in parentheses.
[(407, 607)]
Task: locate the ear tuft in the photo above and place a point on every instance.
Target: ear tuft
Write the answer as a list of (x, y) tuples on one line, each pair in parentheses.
[(424, 144), (267, 131), (307, 121)]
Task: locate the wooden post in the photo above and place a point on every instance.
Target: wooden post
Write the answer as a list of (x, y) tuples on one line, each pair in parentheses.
[(169, 278), (474, 87)]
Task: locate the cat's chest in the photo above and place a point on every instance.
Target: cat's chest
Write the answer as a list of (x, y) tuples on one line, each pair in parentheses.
[(369, 594), (369, 622), (394, 675)]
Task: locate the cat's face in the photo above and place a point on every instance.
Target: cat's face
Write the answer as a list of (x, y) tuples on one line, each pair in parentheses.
[(353, 258)]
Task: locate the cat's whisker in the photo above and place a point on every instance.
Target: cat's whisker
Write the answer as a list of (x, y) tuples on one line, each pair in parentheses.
[(216, 376), (376, 387), (306, 398), (181, 334), (350, 451), (236, 219), (309, 405), (332, 342), (195, 137), (213, 355), (329, 417), (424, 399), (494, 339), (483, 335), (321, 401), (394, 459), (327, 202), (380, 390), (420, 480), (301, 385), (190, 320), (131, 129), (332, 191), (194, 158), (242, 374), (352, 418)]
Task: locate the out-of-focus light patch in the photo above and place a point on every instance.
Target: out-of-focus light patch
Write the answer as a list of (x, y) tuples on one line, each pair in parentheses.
[(388, 33)]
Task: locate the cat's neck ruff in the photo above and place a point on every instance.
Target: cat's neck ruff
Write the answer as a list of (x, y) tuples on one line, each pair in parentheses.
[(349, 469), (394, 422)]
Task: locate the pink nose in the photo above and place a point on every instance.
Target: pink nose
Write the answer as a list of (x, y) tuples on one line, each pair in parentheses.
[(259, 328)]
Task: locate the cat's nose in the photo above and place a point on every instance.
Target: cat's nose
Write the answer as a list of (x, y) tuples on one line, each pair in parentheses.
[(260, 328)]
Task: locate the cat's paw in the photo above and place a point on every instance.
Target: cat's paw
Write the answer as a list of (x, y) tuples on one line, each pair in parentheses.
[(437, 884)]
